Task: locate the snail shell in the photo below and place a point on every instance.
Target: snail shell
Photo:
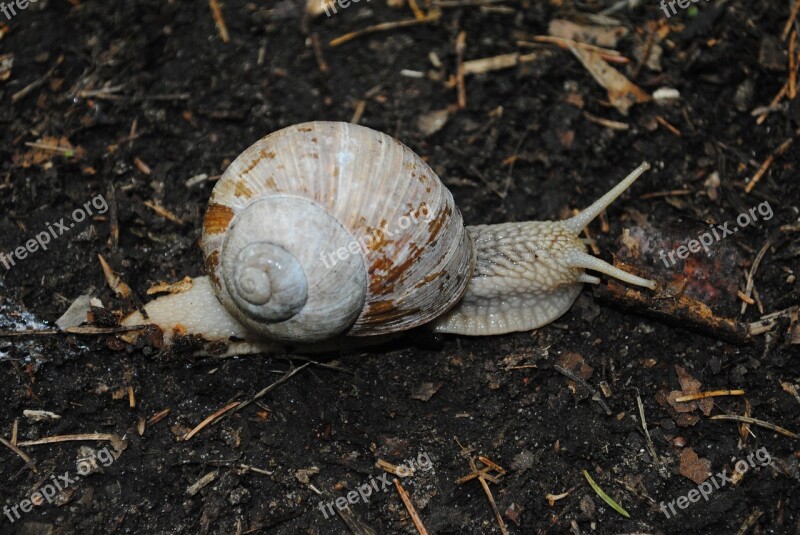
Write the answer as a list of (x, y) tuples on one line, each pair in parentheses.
[(283, 212)]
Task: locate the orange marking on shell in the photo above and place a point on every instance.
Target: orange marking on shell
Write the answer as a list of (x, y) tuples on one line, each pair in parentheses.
[(217, 219), (305, 129), (271, 184), (437, 224), (430, 278), (211, 263), (241, 189), (261, 155), (392, 273), (385, 311)]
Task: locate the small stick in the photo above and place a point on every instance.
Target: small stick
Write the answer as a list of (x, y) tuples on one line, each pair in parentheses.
[(663, 122), (25, 91), (709, 394), (157, 417), (43, 146), (595, 394), (482, 476), (208, 420), (266, 390), (760, 423), (163, 212), (361, 105), (748, 290), (608, 123), (768, 162), (410, 508), (117, 442), (792, 66), (648, 47), (418, 13), (73, 330), (114, 281), (607, 53), (650, 446), (248, 468), (668, 193), (744, 297), (774, 103), (22, 454), (461, 44), (497, 514), (790, 21), (384, 26), (316, 46), (219, 20)]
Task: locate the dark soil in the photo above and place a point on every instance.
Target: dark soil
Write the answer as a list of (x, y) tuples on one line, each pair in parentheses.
[(152, 82)]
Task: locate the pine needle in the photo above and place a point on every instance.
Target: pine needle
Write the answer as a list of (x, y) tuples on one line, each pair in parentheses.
[(606, 498)]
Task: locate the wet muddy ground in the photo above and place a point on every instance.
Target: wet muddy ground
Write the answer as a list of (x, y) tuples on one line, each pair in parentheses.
[(127, 112)]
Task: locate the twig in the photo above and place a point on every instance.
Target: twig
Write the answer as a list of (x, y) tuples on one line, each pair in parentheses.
[(768, 162), (266, 390), (483, 475), (433, 16), (73, 330), (663, 122), (219, 20), (792, 16), (461, 45), (760, 423), (163, 212), (774, 104), (22, 454), (25, 91), (117, 442), (595, 394), (709, 394), (410, 508), (208, 420), (607, 54), (748, 290), (650, 446)]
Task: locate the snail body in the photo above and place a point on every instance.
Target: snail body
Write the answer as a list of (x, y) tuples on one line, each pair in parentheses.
[(283, 212)]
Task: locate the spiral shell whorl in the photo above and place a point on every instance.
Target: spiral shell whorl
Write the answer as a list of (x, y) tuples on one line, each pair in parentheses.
[(268, 282), (271, 277)]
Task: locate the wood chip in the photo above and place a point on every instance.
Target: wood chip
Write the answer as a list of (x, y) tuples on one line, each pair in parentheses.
[(114, 282), (621, 92)]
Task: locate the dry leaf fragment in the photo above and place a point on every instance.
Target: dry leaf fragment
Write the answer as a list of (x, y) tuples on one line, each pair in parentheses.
[(45, 150), (425, 391), (113, 280), (604, 36), (304, 474), (693, 467), (621, 92)]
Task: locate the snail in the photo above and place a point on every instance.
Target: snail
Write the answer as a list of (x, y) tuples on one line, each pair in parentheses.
[(304, 241)]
